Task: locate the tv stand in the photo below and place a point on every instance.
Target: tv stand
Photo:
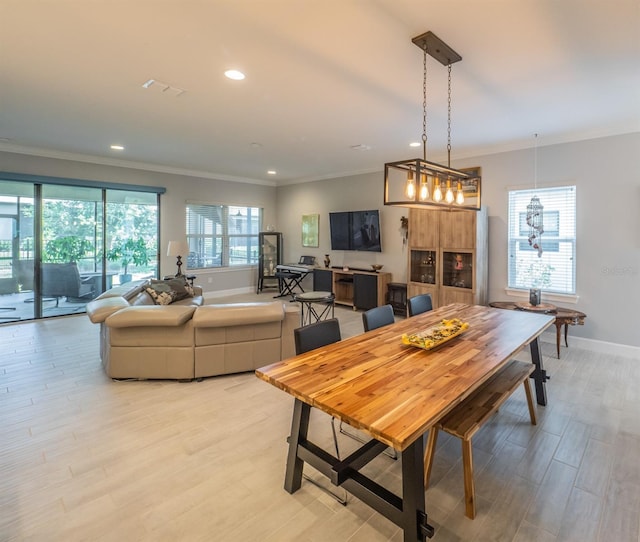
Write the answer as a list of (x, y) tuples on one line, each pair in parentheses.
[(357, 288)]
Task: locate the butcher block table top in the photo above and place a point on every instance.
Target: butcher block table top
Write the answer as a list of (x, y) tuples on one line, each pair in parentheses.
[(395, 392)]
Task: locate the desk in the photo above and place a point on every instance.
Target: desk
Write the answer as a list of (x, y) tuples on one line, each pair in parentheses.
[(563, 317), (308, 313), (395, 393)]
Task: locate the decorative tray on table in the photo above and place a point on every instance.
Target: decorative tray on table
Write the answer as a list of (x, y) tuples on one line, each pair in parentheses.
[(436, 335)]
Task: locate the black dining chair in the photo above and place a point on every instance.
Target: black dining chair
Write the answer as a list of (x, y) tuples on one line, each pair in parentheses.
[(377, 317), (316, 335), (419, 304), (309, 338)]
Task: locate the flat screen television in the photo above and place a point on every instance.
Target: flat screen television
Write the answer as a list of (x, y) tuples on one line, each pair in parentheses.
[(355, 230)]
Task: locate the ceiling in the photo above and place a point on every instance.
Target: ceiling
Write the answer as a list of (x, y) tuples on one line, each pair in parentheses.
[(333, 87)]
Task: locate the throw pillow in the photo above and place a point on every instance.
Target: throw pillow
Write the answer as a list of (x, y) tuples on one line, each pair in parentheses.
[(161, 294), (164, 292)]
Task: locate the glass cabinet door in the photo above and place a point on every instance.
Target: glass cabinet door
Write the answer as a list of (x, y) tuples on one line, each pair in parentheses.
[(457, 269), (423, 266)]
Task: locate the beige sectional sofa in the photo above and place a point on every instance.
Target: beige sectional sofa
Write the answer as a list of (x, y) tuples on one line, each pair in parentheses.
[(188, 340)]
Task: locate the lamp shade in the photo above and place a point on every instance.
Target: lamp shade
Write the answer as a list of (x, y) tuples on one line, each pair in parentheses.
[(177, 248)]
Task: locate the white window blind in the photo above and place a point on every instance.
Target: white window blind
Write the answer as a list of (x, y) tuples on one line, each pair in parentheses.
[(555, 270), (222, 235)]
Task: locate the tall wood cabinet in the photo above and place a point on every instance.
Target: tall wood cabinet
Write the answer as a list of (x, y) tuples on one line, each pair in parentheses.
[(448, 254), (269, 256)]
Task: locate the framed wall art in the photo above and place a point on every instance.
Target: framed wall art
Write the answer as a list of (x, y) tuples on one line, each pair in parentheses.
[(310, 225)]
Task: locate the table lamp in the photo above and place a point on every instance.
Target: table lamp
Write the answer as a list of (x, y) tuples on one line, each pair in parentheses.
[(177, 249)]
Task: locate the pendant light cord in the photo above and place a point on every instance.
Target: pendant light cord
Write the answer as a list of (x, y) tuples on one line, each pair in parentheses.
[(449, 120), (424, 103), (535, 163)]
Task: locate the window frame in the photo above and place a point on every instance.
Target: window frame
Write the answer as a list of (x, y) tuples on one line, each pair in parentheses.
[(558, 201), (212, 243)]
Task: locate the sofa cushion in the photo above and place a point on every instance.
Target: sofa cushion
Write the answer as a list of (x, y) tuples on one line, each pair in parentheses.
[(141, 298), (234, 314), (153, 315), (126, 290), (99, 309)]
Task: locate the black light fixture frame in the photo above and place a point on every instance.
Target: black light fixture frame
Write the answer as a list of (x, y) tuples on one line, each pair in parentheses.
[(395, 173)]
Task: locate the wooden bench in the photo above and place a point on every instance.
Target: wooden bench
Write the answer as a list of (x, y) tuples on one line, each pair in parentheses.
[(470, 415)]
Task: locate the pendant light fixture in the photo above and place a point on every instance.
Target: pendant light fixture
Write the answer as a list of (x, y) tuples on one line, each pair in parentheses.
[(417, 182), (535, 209)]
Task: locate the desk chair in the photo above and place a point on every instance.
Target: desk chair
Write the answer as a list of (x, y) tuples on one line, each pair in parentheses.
[(309, 338), (419, 304), (377, 317)]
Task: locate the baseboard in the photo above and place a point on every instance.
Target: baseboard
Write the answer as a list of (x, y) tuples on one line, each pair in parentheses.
[(602, 347)]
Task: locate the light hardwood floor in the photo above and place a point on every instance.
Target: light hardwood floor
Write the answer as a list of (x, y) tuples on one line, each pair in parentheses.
[(86, 458)]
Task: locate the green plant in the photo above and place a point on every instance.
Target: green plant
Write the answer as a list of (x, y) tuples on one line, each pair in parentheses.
[(129, 251), (66, 249), (537, 274)]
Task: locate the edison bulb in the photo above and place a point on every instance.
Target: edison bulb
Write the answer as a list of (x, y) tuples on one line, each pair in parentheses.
[(449, 194), (437, 192), (410, 188), (459, 194), (424, 189)]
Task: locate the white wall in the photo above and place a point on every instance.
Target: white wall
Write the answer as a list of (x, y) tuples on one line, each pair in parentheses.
[(606, 172), (180, 188), (356, 193)]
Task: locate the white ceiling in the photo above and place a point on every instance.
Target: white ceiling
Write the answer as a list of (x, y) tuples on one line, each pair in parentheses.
[(322, 76)]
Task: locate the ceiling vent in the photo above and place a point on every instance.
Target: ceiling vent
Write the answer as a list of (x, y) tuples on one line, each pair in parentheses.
[(163, 88)]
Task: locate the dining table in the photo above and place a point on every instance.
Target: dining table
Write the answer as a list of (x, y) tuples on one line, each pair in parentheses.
[(394, 393)]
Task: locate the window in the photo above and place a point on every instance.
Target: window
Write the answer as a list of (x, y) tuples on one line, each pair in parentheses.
[(65, 241), (222, 235), (555, 270)]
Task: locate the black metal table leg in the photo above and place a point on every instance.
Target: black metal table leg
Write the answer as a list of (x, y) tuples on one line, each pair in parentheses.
[(539, 375), (299, 429), (407, 512), (414, 517)]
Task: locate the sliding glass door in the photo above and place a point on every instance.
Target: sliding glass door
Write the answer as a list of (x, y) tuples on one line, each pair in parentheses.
[(17, 251), (131, 236), (62, 245)]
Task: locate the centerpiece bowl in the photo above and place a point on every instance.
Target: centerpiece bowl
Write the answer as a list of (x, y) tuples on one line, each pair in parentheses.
[(376, 267)]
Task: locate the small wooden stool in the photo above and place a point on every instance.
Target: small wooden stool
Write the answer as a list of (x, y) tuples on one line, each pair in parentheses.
[(471, 414)]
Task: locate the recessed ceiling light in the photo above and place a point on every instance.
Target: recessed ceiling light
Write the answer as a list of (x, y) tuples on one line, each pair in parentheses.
[(117, 148), (236, 75), (415, 144), (271, 172)]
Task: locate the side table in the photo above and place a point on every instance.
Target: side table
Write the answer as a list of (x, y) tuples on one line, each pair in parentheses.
[(564, 317), (310, 314)]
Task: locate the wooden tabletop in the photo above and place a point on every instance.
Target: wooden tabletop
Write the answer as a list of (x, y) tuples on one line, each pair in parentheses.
[(558, 312), (396, 392)]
